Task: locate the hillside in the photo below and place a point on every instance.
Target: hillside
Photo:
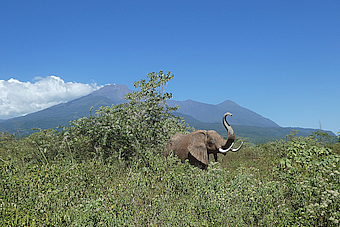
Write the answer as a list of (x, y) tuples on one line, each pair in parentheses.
[(61, 114), (245, 122), (254, 134), (210, 113)]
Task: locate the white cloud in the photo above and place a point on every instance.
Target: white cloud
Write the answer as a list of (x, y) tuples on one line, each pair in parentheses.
[(21, 98)]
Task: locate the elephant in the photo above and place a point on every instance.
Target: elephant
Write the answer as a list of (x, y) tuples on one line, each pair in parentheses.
[(197, 145)]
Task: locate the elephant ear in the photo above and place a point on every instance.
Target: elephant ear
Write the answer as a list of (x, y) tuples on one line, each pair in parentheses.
[(198, 148)]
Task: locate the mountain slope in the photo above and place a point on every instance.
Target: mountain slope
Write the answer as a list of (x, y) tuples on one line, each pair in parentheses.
[(254, 134), (61, 114), (209, 113), (246, 123), (114, 92)]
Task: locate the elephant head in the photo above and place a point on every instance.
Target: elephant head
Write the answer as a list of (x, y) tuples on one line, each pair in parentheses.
[(197, 145)]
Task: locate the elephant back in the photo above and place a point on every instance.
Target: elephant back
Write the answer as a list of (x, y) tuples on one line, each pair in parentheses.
[(172, 144)]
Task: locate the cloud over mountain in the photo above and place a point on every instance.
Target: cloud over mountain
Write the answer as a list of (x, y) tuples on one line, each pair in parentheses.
[(19, 98)]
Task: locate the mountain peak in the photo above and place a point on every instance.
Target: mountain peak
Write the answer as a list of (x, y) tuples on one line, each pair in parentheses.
[(227, 102), (210, 113), (115, 92)]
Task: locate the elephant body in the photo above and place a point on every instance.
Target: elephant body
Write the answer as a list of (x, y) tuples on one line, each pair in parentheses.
[(197, 145)]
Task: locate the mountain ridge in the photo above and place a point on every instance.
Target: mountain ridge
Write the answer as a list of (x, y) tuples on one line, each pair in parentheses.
[(197, 114), (241, 115)]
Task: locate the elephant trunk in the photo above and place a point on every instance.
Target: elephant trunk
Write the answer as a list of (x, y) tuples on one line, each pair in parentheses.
[(231, 136)]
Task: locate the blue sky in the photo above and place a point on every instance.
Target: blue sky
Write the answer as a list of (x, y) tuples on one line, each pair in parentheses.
[(280, 59)]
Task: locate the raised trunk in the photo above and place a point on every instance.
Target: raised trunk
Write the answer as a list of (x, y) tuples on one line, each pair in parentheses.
[(231, 136)]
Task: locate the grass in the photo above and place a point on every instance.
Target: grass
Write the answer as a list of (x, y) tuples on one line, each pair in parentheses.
[(252, 187), (92, 194)]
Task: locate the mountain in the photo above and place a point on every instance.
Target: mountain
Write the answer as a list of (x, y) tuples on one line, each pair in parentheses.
[(213, 113), (255, 134), (114, 92), (61, 114), (245, 122)]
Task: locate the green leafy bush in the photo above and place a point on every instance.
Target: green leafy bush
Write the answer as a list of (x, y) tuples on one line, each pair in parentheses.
[(167, 192), (131, 129), (312, 180), (128, 131), (80, 176)]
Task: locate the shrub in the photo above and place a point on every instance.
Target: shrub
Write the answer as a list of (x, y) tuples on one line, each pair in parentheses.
[(42, 184), (131, 129), (312, 181)]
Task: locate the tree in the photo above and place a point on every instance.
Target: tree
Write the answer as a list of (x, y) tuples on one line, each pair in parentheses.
[(143, 124), (322, 136)]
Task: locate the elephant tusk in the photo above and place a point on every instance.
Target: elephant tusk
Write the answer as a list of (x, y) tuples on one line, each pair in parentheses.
[(230, 148), (225, 151), (234, 150)]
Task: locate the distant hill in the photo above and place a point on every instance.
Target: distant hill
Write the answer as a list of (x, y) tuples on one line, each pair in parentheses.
[(61, 114), (254, 134), (210, 113), (114, 92), (245, 122)]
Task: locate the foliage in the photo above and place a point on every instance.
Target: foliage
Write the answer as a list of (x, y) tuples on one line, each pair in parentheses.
[(165, 193), (303, 188), (80, 176), (262, 157), (322, 137), (310, 173), (130, 129)]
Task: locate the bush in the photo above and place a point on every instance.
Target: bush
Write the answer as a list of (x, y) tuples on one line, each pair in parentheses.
[(61, 192), (167, 192), (129, 130), (43, 183), (312, 180)]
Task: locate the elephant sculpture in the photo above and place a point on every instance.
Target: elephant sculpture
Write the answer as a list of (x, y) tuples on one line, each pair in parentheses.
[(197, 145)]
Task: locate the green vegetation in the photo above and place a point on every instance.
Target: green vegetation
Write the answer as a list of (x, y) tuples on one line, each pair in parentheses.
[(108, 170)]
